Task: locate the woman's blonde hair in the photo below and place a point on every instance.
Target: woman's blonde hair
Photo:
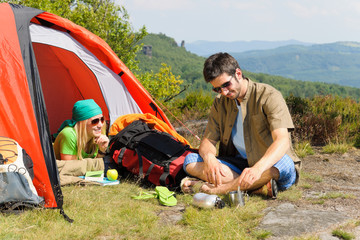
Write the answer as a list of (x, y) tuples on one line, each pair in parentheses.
[(82, 138)]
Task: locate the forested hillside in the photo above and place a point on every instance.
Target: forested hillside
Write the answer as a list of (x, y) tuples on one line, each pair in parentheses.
[(337, 63), (166, 50), (189, 67)]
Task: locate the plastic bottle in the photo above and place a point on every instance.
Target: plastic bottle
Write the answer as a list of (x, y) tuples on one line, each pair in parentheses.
[(204, 200)]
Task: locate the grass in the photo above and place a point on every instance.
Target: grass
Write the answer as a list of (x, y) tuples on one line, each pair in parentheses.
[(342, 234), (318, 201), (306, 238), (336, 148), (110, 213), (306, 185), (330, 195), (333, 195), (292, 194), (302, 149), (344, 231), (304, 176)]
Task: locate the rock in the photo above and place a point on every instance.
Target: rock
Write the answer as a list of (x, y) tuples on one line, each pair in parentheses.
[(357, 233), (287, 220), (327, 236), (171, 216)]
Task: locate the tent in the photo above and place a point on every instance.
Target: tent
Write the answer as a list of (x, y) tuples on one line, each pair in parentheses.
[(47, 63)]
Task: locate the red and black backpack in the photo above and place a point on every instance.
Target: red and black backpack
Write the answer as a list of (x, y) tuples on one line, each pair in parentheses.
[(154, 156)]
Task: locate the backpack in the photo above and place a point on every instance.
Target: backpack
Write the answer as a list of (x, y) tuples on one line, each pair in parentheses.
[(17, 191), (156, 157)]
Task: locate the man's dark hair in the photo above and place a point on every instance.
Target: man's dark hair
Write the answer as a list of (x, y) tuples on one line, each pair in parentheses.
[(218, 64)]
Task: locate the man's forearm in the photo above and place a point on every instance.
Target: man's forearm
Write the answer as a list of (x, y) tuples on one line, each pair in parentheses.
[(207, 149), (276, 150)]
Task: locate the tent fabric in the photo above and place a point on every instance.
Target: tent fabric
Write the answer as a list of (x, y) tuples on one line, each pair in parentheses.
[(47, 63), (23, 114), (57, 55), (103, 52)]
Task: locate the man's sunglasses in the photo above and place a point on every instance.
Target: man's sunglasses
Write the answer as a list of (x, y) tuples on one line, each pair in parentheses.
[(97, 120), (225, 85)]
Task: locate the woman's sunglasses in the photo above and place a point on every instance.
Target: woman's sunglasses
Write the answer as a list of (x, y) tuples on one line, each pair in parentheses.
[(97, 120), (225, 85)]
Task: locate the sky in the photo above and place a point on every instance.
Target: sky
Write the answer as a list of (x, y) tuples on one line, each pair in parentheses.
[(313, 21)]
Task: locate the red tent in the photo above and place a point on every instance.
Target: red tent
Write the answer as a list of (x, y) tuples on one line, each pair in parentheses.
[(47, 63)]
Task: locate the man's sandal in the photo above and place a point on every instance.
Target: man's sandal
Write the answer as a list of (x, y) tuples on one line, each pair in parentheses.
[(195, 188), (269, 190), (272, 189)]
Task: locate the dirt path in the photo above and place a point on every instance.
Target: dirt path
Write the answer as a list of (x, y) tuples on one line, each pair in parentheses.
[(340, 173), (330, 198)]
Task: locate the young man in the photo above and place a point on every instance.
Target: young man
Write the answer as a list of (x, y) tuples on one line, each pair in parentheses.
[(251, 123)]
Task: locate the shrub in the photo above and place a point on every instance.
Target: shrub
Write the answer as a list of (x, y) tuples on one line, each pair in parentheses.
[(195, 106), (325, 119), (357, 141)]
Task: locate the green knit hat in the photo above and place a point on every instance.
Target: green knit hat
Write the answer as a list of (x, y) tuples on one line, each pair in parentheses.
[(85, 109)]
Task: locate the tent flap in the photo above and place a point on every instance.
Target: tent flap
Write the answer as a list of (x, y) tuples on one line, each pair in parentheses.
[(47, 63)]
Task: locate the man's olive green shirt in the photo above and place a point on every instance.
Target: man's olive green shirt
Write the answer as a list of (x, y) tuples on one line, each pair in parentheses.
[(263, 109)]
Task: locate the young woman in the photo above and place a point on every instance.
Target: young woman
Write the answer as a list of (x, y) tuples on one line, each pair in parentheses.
[(83, 136)]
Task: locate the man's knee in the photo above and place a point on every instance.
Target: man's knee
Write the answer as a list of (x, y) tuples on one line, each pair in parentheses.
[(191, 162), (274, 173), (194, 168)]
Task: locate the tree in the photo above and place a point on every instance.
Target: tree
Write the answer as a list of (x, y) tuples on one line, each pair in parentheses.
[(101, 17), (164, 85)]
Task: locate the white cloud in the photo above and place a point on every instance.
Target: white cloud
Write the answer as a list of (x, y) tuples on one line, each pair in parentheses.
[(354, 6), (241, 5), (159, 5), (314, 9), (231, 20)]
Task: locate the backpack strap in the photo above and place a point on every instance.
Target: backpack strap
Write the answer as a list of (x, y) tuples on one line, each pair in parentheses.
[(149, 171), (166, 175), (141, 173), (121, 155), (163, 176)]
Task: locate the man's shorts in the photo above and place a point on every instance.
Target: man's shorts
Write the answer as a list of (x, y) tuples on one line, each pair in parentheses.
[(285, 166)]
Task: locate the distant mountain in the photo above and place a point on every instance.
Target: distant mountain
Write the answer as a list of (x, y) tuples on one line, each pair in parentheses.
[(206, 48), (337, 63), (189, 66)]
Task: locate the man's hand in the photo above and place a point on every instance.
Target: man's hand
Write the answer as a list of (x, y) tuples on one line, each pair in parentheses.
[(213, 171), (102, 142), (248, 177), (272, 155)]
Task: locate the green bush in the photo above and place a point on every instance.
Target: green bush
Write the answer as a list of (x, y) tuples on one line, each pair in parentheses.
[(320, 120), (194, 106), (325, 119), (357, 141)]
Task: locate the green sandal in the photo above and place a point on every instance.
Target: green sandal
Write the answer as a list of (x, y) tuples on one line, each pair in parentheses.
[(145, 195), (166, 197)]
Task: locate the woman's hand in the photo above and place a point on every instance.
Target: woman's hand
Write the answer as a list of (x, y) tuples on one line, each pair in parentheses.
[(102, 142)]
